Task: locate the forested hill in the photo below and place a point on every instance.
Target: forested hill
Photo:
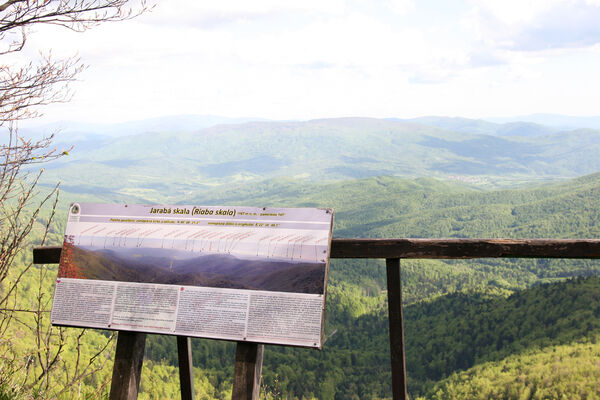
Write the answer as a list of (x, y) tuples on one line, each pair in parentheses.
[(459, 314), (395, 207), (563, 371), (444, 336), (163, 166), (459, 331)]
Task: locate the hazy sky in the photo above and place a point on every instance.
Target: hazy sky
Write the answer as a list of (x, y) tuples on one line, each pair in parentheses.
[(319, 58)]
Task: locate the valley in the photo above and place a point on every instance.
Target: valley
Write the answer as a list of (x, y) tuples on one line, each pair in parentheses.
[(430, 178)]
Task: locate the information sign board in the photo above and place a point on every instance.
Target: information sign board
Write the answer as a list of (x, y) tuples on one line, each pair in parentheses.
[(233, 273)]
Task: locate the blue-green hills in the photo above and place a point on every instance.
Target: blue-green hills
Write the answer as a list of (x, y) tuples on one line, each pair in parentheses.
[(166, 165)]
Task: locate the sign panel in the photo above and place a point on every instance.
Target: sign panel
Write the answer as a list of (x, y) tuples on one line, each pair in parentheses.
[(234, 273)]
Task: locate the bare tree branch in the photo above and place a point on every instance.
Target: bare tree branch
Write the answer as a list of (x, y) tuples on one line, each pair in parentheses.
[(24, 90)]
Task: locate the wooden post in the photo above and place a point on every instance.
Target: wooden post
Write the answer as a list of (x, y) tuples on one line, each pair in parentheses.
[(186, 369), (248, 369), (394, 286), (128, 365)]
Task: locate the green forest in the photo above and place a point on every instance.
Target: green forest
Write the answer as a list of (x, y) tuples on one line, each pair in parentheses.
[(501, 328), (459, 314)]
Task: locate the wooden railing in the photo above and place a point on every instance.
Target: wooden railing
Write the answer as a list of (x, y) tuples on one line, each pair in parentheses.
[(248, 359)]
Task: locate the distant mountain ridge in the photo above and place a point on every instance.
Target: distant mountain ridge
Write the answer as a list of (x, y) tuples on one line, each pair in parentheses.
[(524, 125), (482, 127), (164, 166), (562, 122), (67, 131)]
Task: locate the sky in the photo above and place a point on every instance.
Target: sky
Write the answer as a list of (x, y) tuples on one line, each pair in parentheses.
[(309, 59)]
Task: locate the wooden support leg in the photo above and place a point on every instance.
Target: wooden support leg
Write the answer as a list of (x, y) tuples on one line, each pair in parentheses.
[(186, 370), (128, 365), (394, 286), (248, 369)]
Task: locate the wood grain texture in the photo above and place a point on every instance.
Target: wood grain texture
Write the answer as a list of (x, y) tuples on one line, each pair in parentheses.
[(247, 372), (186, 367), (46, 254), (465, 248), (127, 368), (430, 248), (396, 324)]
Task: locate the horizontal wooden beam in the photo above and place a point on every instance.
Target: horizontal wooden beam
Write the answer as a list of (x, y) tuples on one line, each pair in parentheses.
[(430, 248), (465, 248), (46, 254)]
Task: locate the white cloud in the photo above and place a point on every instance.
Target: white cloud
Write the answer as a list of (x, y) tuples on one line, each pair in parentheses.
[(348, 41), (536, 25), (207, 14), (401, 7), (515, 12)]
